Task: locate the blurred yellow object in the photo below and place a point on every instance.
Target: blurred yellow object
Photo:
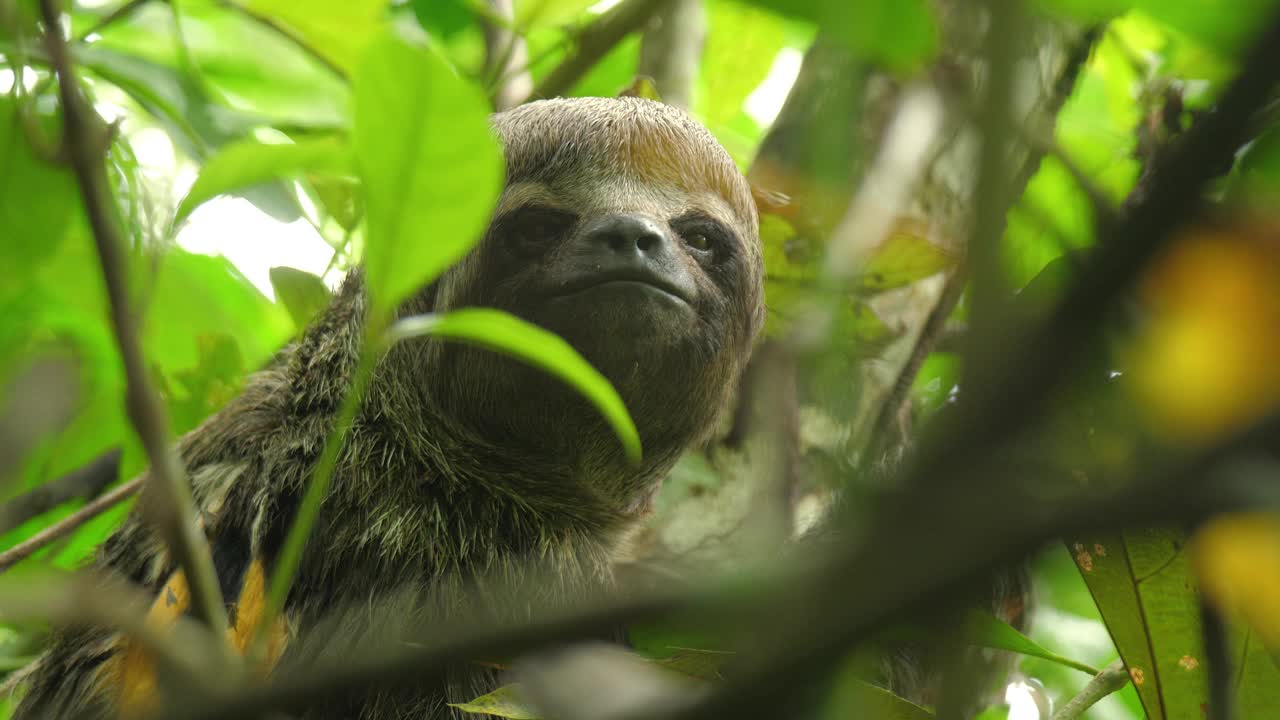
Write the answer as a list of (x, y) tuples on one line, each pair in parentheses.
[(1209, 362), (1237, 560)]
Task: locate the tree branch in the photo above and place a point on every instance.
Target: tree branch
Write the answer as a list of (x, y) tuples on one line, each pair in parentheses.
[(936, 323), (69, 524), (84, 482), (671, 51), (1030, 370), (1112, 679), (594, 42), (85, 137)]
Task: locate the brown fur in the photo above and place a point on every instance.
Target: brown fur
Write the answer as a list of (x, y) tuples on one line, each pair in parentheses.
[(462, 463)]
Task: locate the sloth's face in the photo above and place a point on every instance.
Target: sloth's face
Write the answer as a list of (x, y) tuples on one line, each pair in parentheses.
[(627, 231), (624, 272)]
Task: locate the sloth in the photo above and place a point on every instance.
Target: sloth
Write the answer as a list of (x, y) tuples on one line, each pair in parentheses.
[(625, 228)]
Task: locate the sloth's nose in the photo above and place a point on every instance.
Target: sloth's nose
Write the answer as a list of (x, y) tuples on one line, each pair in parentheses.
[(627, 235)]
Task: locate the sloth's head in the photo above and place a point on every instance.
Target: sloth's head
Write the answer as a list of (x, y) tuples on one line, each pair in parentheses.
[(625, 228)]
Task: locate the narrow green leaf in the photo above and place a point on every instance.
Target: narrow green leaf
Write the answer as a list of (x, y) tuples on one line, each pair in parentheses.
[(503, 702), (987, 630), (304, 295), (496, 330), (249, 162), (701, 664), (432, 169)]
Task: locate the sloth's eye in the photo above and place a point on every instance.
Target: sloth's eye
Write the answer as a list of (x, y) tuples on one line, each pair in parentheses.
[(530, 230), (708, 238), (698, 241)]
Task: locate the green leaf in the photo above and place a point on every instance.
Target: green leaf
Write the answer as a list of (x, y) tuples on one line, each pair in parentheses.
[(742, 43), (901, 260), (198, 295), (550, 13), (278, 81), (338, 30), (984, 629), (503, 702), (1144, 589), (508, 334), (701, 664), (249, 162), (37, 197), (442, 18), (304, 295), (431, 167), (901, 34)]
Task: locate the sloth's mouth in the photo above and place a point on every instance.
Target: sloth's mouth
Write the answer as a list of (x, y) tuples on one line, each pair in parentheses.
[(625, 281)]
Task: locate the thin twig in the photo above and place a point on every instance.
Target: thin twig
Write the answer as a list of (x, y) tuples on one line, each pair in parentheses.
[(69, 524), (1112, 679), (85, 137), (84, 482), (594, 42)]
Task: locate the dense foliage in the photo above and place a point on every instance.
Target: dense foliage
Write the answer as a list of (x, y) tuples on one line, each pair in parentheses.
[(357, 130)]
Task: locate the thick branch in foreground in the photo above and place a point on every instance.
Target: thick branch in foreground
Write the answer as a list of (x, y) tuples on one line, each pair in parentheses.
[(594, 42), (814, 613), (171, 507)]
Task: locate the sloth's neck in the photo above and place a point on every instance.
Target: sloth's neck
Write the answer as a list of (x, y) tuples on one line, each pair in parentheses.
[(417, 496)]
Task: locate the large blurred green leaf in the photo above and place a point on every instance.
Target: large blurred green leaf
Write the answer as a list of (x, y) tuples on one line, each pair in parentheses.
[(431, 167), (275, 82), (37, 197), (338, 30), (901, 34), (742, 43), (204, 324), (194, 295), (248, 162), (1227, 26), (505, 333)]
